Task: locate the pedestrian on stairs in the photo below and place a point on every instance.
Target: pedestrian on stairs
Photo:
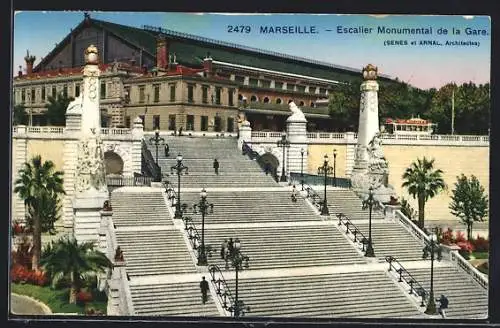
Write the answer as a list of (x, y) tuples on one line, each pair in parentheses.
[(294, 194), (230, 246), (216, 166), (223, 249), (443, 304), (167, 149), (204, 289)]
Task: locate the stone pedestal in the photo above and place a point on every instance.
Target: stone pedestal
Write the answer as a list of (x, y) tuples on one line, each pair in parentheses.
[(296, 130), (390, 212), (87, 208), (245, 133)]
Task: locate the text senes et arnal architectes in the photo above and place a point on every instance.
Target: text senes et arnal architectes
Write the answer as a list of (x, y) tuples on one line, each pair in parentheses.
[(383, 30)]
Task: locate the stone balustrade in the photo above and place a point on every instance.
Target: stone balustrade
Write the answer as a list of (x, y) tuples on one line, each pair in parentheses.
[(396, 139)]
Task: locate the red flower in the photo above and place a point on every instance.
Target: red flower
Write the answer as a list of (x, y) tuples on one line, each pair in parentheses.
[(83, 296), (465, 246), (460, 237)]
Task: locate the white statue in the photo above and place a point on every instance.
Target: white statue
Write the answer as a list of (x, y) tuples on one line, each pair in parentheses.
[(75, 107), (296, 112)]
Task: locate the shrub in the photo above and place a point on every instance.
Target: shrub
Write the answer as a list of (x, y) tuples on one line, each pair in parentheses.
[(466, 248), (459, 237), (19, 273), (481, 244), (447, 237)]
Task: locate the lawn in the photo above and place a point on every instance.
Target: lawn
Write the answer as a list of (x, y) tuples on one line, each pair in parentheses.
[(57, 299), (480, 255)]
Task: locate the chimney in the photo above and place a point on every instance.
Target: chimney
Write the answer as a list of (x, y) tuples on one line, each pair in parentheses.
[(172, 62), (161, 53), (20, 72), (29, 59), (207, 65)]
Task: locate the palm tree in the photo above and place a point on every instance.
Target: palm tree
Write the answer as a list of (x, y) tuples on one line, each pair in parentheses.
[(66, 258), (37, 181), (423, 182)]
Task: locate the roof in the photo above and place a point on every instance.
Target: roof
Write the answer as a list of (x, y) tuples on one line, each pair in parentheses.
[(191, 50), (69, 71), (412, 121)]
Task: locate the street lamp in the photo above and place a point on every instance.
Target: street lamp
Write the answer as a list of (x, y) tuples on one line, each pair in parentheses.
[(432, 247), (237, 259), (179, 168), (285, 144), (369, 202), (326, 170), (302, 168), (157, 141), (204, 208), (335, 167)]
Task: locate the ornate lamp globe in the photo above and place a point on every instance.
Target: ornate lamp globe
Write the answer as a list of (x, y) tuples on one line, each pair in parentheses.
[(203, 193), (370, 72), (92, 55), (326, 158)]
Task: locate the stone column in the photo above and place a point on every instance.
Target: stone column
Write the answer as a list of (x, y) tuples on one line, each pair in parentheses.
[(297, 135), (245, 133), (19, 157), (367, 128), (136, 153)]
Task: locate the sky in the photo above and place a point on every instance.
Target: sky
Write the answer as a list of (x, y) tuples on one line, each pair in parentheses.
[(423, 66)]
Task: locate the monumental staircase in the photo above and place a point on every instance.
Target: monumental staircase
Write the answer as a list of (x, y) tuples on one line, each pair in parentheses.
[(301, 264)]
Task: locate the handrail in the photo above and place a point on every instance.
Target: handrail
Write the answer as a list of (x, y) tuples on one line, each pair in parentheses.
[(315, 197), (469, 269), (410, 280), (221, 288), (343, 219), (410, 226), (338, 182), (149, 164), (119, 181), (246, 149)]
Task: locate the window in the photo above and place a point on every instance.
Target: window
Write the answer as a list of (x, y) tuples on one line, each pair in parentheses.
[(253, 82), (171, 122), (204, 95), (301, 88), (143, 119), (156, 121), (190, 93), (190, 123), (23, 95), (103, 90), (43, 94), (156, 93), (65, 91), (290, 86), (278, 101), (32, 95), (172, 92), (253, 98), (230, 124), (54, 92), (312, 89), (127, 94), (204, 123), (77, 90), (266, 100), (278, 85), (265, 83), (239, 79), (142, 94), (301, 103), (127, 121), (217, 95), (312, 104), (322, 90), (230, 101)]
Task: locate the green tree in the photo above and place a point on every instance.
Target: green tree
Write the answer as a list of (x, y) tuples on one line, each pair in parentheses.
[(344, 106), (469, 202), (423, 182), (78, 263), (56, 109), (36, 181), (49, 213), (20, 115)]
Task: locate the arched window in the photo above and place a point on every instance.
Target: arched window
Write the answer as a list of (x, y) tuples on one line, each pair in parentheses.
[(312, 104), (278, 101), (266, 100), (301, 103), (253, 98)]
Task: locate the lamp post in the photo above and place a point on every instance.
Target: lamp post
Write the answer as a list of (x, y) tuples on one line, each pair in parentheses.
[(326, 170), (335, 167), (432, 248), (285, 144), (157, 141), (302, 168), (204, 208), (237, 259), (179, 168), (369, 202)]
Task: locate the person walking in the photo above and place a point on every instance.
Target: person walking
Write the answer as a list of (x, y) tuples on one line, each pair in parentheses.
[(223, 249), (294, 194), (167, 149), (216, 166), (204, 289), (443, 304), (230, 246)]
